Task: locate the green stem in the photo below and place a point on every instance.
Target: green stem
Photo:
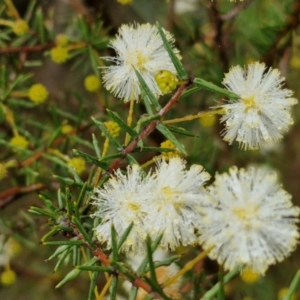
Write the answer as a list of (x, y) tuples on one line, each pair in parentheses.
[(214, 290), (293, 286)]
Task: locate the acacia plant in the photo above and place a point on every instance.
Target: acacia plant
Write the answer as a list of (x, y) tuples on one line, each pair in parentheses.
[(138, 186)]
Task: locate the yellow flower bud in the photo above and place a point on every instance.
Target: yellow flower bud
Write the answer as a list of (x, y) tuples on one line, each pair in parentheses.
[(4, 166), (166, 81), (169, 144), (59, 54), (113, 128), (249, 276), (8, 277), (208, 120), (92, 83), (78, 164), (124, 2), (3, 171), (20, 27), (38, 93), (295, 62), (283, 292), (61, 40), (19, 142), (66, 128), (14, 246)]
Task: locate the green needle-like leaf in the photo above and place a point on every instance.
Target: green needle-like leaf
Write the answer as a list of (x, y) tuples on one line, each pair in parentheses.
[(202, 84), (114, 243), (177, 63), (150, 96), (169, 135), (122, 124), (103, 128)]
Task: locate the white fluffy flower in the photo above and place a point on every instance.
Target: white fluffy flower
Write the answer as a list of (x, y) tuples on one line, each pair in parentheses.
[(177, 194), (137, 47), (262, 113), (250, 220), (122, 201)]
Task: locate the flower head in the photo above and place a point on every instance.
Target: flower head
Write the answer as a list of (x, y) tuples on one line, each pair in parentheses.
[(177, 194), (59, 54), (123, 200), (78, 164), (8, 277), (262, 113), (207, 120), (138, 47), (38, 93), (20, 27), (66, 128), (19, 142), (166, 81), (61, 40), (92, 83), (168, 155), (113, 128), (250, 220), (124, 2)]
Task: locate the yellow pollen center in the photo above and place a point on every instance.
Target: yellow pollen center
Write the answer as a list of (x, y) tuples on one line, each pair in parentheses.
[(133, 206), (249, 102), (172, 197), (246, 213), (137, 59), (168, 192)]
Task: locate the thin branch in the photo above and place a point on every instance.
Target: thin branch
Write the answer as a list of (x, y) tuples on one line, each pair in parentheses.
[(219, 39), (236, 10), (10, 194), (27, 49)]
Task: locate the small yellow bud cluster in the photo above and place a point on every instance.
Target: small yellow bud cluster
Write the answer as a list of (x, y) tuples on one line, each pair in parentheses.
[(283, 293), (249, 276), (8, 277), (92, 83), (166, 81), (113, 128), (38, 93), (15, 247), (59, 54), (3, 171), (208, 120), (61, 40), (78, 164), (20, 27), (19, 142), (66, 128), (295, 62), (168, 144), (124, 2), (4, 166)]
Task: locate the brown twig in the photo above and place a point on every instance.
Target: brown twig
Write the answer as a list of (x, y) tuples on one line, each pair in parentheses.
[(10, 194), (170, 16), (150, 128), (105, 260), (27, 49), (236, 10), (219, 39), (291, 24)]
